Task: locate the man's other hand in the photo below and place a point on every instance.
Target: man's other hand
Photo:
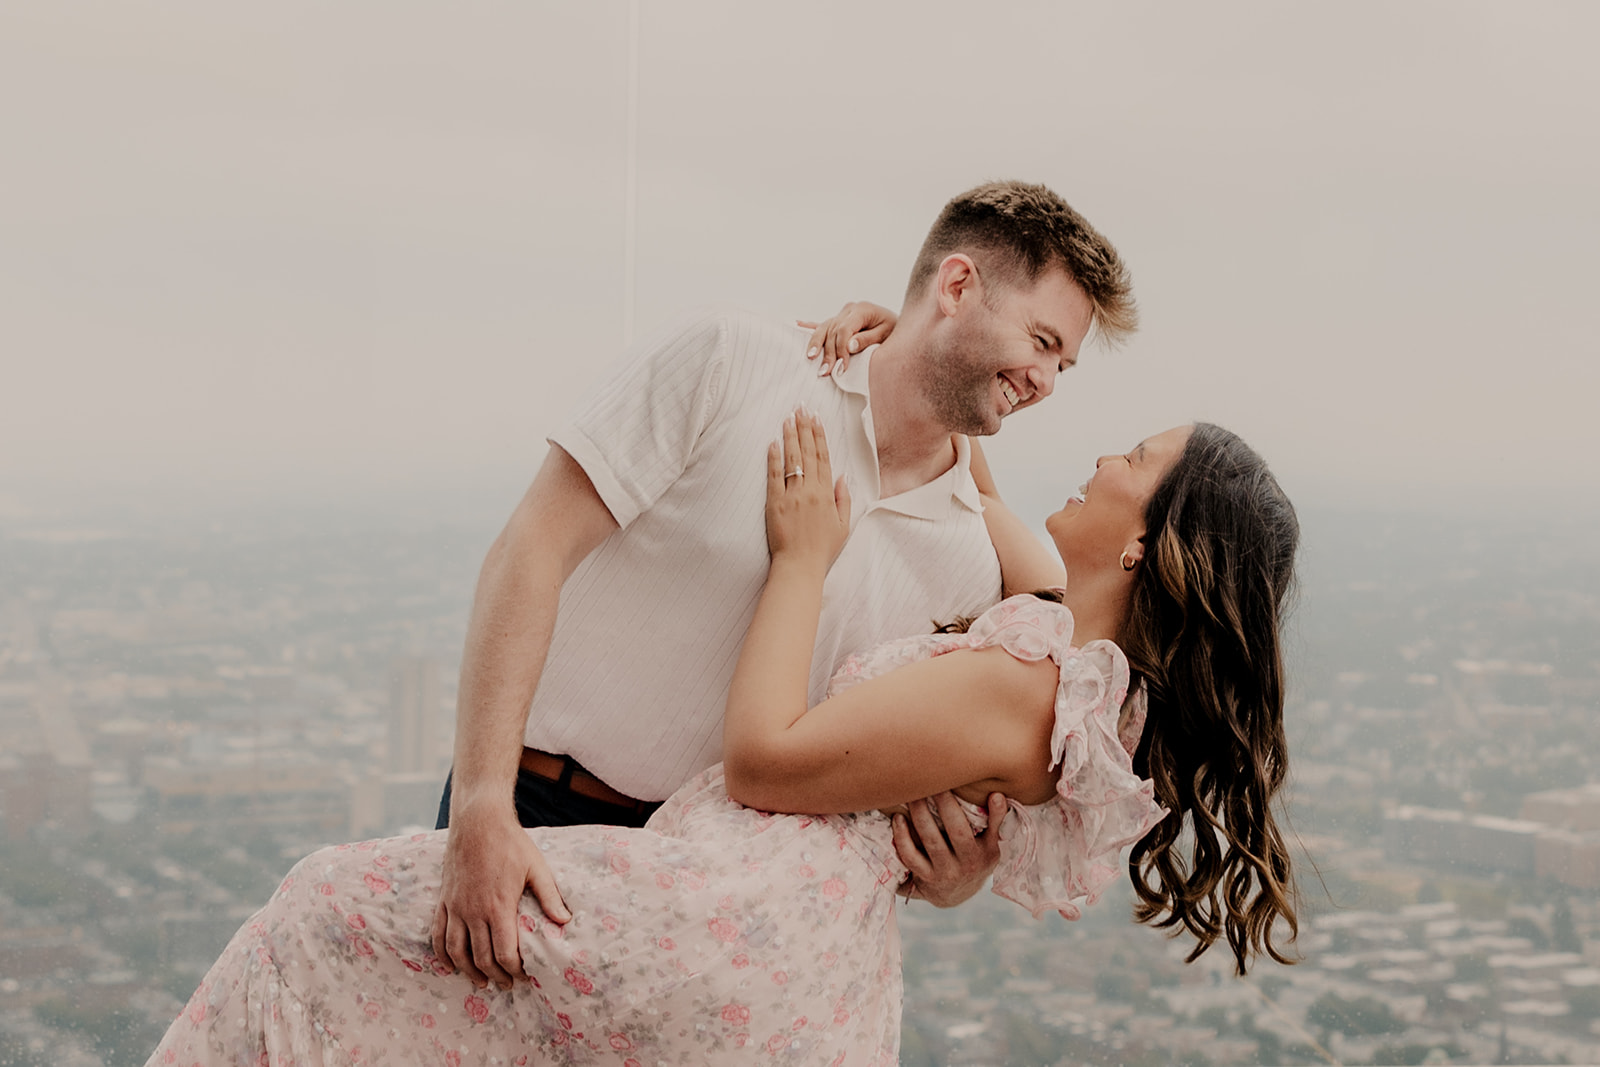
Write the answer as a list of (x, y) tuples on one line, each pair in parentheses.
[(948, 864), (488, 861)]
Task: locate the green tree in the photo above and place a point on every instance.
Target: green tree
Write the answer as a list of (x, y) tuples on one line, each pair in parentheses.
[(1355, 1016), (1563, 931)]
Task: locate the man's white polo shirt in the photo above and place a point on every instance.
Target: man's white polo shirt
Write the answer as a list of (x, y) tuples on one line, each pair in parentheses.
[(651, 622)]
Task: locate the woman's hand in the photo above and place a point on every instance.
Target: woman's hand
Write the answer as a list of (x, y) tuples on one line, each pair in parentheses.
[(857, 325), (808, 514)]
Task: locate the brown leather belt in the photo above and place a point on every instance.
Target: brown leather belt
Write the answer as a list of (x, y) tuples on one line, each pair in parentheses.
[(569, 774)]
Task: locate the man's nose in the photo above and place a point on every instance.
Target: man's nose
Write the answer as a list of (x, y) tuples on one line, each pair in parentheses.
[(1043, 378)]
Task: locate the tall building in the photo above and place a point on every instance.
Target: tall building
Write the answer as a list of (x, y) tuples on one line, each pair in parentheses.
[(414, 716)]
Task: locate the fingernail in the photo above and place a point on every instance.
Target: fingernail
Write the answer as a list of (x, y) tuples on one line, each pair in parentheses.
[(824, 370), (854, 344), (811, 353)]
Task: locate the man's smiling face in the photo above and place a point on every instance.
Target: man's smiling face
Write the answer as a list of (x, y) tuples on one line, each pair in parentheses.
[(1003, 352)]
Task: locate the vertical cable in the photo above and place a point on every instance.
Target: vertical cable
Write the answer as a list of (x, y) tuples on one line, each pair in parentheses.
[(630, 194)]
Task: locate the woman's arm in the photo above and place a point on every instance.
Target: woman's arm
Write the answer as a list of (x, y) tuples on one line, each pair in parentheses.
[(975, 721), (973, 718), (1026, 565)]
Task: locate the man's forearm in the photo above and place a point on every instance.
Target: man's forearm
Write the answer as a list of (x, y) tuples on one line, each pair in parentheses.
[(508, 638)]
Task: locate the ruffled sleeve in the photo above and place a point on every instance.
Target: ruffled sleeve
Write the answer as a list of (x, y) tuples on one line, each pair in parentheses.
[(1063, 853)]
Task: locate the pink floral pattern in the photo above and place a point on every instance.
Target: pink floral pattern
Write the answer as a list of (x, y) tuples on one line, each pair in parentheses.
[(717, 934)]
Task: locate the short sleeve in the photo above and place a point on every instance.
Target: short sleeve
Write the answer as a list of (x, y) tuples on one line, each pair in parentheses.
[(1063, 853), (639, 432)]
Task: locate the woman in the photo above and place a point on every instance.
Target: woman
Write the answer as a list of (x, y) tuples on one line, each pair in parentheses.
[(720, 931)]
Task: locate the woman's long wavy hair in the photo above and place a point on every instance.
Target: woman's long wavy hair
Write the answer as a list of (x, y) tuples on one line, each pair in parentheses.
[(1203, 634)]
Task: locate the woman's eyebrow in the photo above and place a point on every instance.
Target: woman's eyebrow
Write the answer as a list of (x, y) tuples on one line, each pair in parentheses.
[(1140, 451)]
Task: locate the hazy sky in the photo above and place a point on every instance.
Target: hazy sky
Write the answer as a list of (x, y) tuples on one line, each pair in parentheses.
[(291, 247)]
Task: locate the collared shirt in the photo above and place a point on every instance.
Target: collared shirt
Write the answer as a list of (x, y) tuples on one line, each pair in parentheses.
[(651, 623)]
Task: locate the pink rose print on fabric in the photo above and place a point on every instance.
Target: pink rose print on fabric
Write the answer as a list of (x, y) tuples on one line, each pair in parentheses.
[(708, 872)]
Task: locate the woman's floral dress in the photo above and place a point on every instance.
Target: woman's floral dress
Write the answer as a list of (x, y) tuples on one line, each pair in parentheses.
[(717, 934)]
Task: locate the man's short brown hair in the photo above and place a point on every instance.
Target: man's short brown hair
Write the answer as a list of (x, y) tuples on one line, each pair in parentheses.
[(1015, 232)]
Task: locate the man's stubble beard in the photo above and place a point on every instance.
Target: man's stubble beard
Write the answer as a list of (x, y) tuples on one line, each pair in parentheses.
[(959, 384)]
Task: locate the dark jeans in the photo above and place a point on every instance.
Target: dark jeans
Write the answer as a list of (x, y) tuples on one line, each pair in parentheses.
[(541, 802)]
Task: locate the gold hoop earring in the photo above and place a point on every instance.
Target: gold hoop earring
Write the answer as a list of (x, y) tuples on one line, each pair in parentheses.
[(1128, 564)]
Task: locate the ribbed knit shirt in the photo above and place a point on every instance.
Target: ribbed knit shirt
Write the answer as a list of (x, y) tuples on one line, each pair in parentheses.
[(651, 622)]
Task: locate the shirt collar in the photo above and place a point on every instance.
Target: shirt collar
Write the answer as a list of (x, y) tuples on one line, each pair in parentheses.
[(929, 501)]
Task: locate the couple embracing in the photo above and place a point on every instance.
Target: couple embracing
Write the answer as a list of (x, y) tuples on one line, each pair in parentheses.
[(704, 736)]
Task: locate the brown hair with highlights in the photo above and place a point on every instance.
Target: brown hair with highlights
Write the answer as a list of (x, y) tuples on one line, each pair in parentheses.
[(1015, 232), (1203, 633)]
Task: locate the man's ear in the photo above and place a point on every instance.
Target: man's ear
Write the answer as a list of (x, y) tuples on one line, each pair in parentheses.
[(956, 282)]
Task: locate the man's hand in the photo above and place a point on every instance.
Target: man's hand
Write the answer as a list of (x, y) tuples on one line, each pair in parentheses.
[(948, 866), (488, 861)]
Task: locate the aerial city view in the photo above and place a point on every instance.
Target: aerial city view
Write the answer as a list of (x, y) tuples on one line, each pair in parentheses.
[(397, 395), (183, 713)]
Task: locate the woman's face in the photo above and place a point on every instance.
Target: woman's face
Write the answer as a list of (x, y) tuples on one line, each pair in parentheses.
[(1106, 515)]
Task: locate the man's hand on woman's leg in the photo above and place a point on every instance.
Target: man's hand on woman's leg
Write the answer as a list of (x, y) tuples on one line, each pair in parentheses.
[(488, 864)]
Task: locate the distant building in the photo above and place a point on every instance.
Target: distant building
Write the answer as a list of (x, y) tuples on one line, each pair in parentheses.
[(1486, 842), (414, 716), (1568, 809), (50, 781), (275, 789)]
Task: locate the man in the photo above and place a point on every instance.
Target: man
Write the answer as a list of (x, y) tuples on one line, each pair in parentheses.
[(615, 600)]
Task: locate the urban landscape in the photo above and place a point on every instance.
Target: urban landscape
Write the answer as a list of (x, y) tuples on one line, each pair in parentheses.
[(187, 708)]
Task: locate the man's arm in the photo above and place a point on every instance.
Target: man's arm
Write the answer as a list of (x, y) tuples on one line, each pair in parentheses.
[(489, 859)]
